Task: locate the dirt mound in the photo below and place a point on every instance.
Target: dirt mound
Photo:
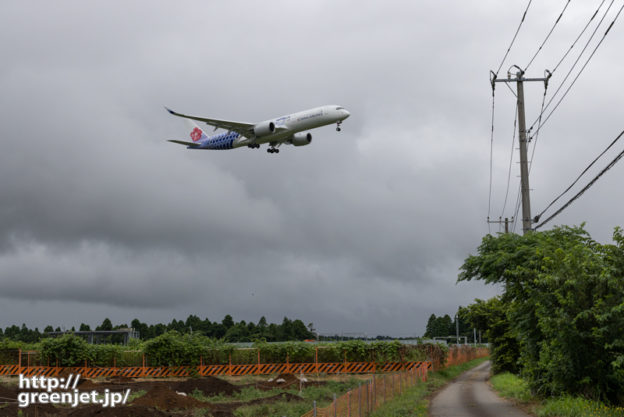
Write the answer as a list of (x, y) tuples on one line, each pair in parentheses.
[(208, 385), (36, 410), (164, 398), (280, 381)]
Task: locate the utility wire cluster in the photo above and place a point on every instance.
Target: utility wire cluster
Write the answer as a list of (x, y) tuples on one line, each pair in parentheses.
[(543, 117)]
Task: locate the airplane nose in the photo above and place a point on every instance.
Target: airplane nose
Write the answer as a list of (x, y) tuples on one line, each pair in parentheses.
[(345, 113)]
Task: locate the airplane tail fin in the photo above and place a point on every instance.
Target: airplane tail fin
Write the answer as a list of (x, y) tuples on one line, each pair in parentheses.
[(195, 132)]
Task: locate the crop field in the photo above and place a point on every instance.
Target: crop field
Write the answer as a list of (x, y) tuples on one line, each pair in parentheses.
[(283, 395)]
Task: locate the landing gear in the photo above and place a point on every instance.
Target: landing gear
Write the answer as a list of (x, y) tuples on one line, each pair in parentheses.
[(338, 126), (273, 150), (254, 146)]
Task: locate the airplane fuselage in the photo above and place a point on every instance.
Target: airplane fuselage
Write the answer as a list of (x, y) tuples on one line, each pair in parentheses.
[(284, 128)]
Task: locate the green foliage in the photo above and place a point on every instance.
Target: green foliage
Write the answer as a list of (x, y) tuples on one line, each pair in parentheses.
[(564, 303), (68, 350), (174, 349)]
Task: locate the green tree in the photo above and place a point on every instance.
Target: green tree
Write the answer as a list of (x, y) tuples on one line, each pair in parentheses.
[(564, 302)]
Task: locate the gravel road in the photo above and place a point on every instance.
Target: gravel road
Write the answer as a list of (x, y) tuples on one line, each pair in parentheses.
[(470, 396)]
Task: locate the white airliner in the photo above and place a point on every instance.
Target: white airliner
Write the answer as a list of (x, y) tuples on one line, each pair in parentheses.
[(286, 129)]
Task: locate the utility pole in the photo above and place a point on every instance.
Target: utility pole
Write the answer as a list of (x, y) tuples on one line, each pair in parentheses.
[(501, 221), (524, 167), (457, 327)]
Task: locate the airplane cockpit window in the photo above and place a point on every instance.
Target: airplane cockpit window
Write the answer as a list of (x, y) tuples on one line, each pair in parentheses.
[(339, 108)]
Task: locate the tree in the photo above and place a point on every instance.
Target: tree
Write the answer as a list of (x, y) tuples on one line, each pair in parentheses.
[(106, 325), (84, 327), (563, 300)]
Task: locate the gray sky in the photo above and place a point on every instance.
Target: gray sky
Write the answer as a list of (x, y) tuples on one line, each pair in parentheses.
[(362, 231)]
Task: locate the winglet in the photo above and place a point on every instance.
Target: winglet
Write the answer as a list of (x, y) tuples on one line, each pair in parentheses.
[(169, 110)]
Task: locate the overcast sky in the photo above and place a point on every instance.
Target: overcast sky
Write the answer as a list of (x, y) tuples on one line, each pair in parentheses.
[(362, 231)]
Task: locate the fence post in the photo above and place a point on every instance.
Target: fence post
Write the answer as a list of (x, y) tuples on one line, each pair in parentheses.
[(143, 367), (316, 360), (19, 361), (230, 364), (359, 400), (374, 392), (384, 388), (348, 403), (314, 405), (335, 405), (287, 364), (258, 368)]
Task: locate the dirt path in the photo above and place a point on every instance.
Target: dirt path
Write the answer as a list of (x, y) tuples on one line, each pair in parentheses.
[(470, 396)]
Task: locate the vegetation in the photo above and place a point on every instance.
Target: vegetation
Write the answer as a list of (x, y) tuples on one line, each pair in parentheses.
[(175, 349), (559, 321), (514, 387)]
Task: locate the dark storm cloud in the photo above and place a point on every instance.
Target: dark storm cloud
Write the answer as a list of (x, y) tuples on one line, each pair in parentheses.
[(361, 231)]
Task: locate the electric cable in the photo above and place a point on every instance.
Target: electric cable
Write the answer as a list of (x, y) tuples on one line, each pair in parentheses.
[(589, 185), (580, 175), (547, 36), (514, 37), (541, 124), (579, 36), (513, 141)]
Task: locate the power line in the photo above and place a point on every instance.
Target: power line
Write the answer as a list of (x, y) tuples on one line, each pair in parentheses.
[(592, 182), (580, 175), (579, 36), (491, 152), (513, 141), (514, 37), (541, 124), (547, 36)]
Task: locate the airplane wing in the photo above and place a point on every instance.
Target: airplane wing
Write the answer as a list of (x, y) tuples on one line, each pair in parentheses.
[(181, 142), (245, 129)]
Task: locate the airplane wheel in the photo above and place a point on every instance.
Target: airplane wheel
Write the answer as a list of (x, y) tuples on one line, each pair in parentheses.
[(277, 151), (337, 129)]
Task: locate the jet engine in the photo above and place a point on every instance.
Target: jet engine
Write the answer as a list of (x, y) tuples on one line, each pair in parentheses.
[(301, 139), (264, 129)]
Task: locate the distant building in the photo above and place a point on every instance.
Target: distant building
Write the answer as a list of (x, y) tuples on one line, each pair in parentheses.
[(101, 336)]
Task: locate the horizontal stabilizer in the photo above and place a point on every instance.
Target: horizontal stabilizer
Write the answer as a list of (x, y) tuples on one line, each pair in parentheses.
[(181, 142)]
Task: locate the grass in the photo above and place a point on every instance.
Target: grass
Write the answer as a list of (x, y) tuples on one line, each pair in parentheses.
[(510, 386), (513, 387), (414, 402)]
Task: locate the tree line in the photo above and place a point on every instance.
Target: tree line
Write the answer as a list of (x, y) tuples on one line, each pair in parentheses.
[(227, 329)]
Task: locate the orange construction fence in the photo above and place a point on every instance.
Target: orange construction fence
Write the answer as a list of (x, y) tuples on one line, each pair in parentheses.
[(205, 370)]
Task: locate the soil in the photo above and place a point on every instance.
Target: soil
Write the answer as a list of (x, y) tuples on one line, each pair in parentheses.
[(7, 392), (165, 398), (160, 400), (38, 410), (125, 411)]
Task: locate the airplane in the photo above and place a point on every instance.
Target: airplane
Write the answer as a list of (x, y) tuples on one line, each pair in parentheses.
[(282, 130)]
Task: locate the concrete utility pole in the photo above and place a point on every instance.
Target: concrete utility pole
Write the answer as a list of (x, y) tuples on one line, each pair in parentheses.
[(500, 221), (524, 168)]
